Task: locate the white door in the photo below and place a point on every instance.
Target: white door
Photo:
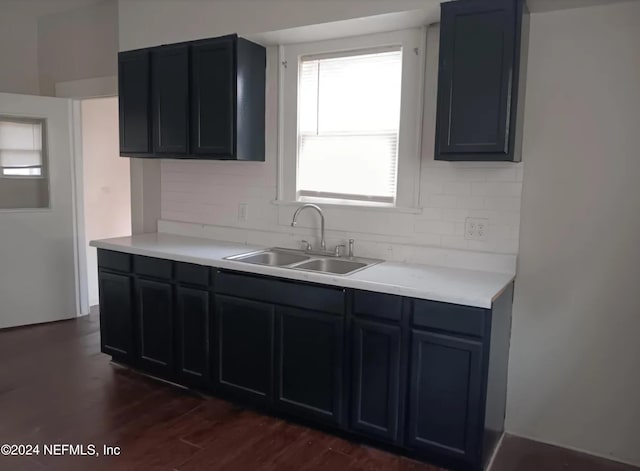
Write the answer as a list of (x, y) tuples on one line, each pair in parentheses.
[(37, 213)]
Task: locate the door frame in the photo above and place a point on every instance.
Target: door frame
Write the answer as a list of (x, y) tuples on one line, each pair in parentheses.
[(77, 191), (76, 91)]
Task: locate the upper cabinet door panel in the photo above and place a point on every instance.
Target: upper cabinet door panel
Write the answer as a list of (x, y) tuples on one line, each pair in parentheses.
[(133, 85), (170, 85), (213, 109), (477, 86)]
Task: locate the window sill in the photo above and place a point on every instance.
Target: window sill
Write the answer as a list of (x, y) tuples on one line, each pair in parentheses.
[(360, 206)]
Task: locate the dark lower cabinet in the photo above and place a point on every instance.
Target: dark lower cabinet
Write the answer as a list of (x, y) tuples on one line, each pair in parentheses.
[(309, 359), (376, 386), (425, 378), (445, 405), (116, 315), (193, 322), (155, 327), (245, 347)]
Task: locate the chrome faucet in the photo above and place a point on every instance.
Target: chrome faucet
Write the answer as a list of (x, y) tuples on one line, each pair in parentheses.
[(323, 245)]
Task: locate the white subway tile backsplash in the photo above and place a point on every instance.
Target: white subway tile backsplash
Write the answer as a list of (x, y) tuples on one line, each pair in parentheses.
[(435, 227), (513, 189), (470, 202), (457, 188), (443, 201), (209, 193)]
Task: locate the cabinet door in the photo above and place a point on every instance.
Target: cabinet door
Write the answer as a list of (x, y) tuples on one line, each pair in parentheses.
[(116, 316), (155, 327), (213, 97), (193, 324), (245, 346), (309, 368), (170, 87), (446, 403), (376, 379), (476, 80), (133, 101)]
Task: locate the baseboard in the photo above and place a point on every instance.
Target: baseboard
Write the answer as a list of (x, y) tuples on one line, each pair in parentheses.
[(495, 452), (578, 450)]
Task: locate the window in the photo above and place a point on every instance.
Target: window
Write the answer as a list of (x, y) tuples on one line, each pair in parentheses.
[(347, 141), (23, 176), (350, 116), (21, 148)]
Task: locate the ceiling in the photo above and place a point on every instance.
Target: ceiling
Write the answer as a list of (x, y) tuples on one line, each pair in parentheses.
[(43, 7), (47, 7)]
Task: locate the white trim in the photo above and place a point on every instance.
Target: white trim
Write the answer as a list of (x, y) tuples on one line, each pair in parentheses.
[(95, 87), (77, 191), (499, 443), (280, 160), (348, 205), (422, 54), (574, 448), (409, 147)]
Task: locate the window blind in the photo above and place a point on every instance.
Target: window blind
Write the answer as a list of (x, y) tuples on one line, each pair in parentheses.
[(20, 148), (348, 123)]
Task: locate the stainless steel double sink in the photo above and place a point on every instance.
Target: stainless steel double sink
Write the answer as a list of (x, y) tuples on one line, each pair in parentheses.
[(308, 261)]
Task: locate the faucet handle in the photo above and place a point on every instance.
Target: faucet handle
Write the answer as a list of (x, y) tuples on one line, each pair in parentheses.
[(338, 250), (307, 245), (351, 242)]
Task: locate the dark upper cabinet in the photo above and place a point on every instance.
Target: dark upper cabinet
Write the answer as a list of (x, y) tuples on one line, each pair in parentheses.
[(207, 100), (155, 327), (193, 322), (170, 99), (134, 101), (481, 84), (116, 315), (376, 379), (309, 364), (245, 345), (446, 400)]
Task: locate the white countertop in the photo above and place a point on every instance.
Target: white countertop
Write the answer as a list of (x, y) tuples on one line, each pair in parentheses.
[(450, 285)]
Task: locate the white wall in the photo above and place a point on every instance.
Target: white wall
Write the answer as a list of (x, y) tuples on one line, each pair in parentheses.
[(574, 376), (78, 44), (18, 54), (107, 190)]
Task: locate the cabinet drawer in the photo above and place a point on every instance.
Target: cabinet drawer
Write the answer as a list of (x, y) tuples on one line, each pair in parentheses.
[(153, 267), (449, 317), (276, 291), (384, 306), (114, 260), (192, 274)]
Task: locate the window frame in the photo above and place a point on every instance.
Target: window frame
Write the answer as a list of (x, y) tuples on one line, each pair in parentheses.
[(413, 42), (43, 152)]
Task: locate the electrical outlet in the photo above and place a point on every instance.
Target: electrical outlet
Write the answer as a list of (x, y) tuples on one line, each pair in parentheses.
[(476, 228), (243, 212)]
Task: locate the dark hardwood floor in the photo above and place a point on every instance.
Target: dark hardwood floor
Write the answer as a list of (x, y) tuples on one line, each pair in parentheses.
[(57, 388)]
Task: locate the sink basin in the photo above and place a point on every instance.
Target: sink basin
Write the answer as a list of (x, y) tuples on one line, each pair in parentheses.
[(274, 258), (331, 265), (309, 261)]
